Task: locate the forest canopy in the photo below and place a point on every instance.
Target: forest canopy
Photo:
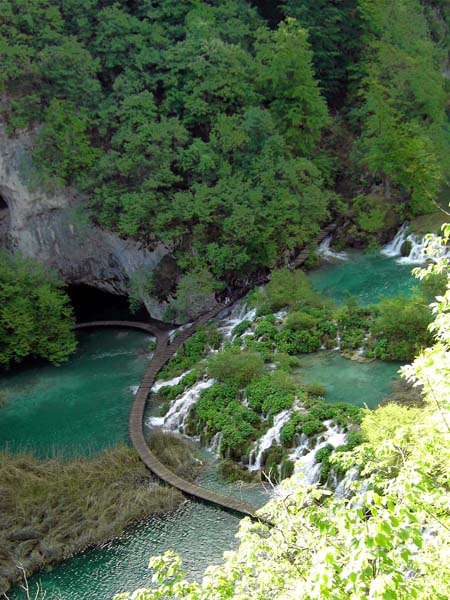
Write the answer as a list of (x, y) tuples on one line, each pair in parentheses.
[(189, 122), (201, 124)]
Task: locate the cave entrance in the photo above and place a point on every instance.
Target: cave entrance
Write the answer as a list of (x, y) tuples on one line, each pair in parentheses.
[(3, 204), (92, 304)]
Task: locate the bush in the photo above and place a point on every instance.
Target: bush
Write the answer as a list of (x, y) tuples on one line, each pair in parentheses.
[(241, 328), (218, 410), (35, 316), (315, 390), (235, 366), (271, 394), (312, 426), (323, 456), (287, 289), (400, 328), (193, 350)]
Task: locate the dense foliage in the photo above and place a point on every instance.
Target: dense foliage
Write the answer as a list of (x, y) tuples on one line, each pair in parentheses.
[(35, 317), (191, 122), (388, 540)]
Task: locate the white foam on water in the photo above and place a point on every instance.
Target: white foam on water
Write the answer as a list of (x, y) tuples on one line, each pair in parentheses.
[(304, 456), (327, 253), (176, 417), (264, 443)]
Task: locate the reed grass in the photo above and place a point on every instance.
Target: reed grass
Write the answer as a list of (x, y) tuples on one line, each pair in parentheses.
[(51, 509), (176, 452)]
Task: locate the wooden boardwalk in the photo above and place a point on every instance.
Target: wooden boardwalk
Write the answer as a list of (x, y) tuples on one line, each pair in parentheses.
[(165, 349)]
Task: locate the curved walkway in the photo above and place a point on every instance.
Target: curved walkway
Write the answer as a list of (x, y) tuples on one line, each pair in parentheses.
[(164, 351)]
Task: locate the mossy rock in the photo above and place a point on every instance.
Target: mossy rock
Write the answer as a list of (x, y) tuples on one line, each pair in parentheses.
[(406, 248), (232, 472)]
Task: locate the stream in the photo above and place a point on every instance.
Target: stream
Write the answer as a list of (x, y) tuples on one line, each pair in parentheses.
[(82, 407)]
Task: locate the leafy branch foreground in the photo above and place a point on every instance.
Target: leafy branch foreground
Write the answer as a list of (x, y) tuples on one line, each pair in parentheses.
[(389, 541), (49, 510)]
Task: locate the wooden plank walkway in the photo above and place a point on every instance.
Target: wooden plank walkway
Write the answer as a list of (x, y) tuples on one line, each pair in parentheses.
[(164, 351)]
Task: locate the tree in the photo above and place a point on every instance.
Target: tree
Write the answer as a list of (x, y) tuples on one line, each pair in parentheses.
[(334, 32), (35, 316), (404, 128), (287, 81), (389, 540), (63, 150)]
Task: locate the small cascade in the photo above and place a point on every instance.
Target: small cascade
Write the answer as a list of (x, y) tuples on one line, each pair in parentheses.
[(338, 346), (214, 447), (304, 455), (134, 389), (175, 419), (394, 247), (239, 313), (327, 253), (419, 248), (264, 443), (343, 488), (174, 381)]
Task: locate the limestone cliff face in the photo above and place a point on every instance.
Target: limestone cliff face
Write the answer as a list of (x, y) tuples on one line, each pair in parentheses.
[(47, 226)]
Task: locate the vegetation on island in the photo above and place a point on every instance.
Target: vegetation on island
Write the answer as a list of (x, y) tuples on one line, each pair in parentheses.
[(36, 319), (387, 539)]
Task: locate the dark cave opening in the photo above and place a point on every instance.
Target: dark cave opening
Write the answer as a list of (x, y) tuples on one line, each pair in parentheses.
[(3, 204), (92, 304)]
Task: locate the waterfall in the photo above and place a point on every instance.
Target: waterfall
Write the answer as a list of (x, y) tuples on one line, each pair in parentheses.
[(327, 253), (305, 457), (215, 443), (175, 419), (394, 247), (419, 245), (174, 381), (239, 313), (343, 488), (264, 443)]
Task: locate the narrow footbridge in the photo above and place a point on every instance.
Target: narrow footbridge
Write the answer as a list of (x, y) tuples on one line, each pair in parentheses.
[(165, 349)]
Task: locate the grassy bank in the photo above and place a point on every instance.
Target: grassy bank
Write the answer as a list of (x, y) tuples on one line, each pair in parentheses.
[(52, 509)]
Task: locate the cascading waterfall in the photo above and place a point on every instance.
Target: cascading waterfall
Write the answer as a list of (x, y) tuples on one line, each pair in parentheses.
[(419, 245), (343, 488), (304, 456), (175, 419), (174, 381), (264, 443), (239, 313), (327, 253)]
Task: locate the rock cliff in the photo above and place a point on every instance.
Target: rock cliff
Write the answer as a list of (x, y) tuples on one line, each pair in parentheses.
[(50, 227)]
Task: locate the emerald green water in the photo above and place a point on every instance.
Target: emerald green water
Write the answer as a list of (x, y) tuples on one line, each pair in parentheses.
[(346, 380), (199, 533), (80, 407), (367, 277), (84, 405)]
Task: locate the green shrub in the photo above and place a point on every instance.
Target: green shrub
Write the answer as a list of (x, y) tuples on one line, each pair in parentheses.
[(312, 426), (241, 328), (287, 289), (271, 393), (323, 456), (299, 320), (234, 366), (315, 390), (193, 350)]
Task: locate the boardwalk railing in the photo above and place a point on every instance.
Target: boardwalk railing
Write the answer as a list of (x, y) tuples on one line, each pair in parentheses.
[(164, 351)]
